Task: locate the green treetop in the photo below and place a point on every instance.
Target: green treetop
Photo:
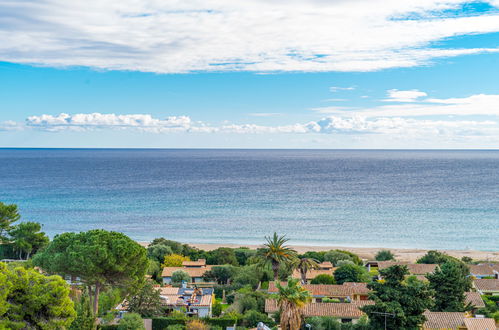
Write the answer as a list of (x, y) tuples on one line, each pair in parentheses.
[(98, 258)]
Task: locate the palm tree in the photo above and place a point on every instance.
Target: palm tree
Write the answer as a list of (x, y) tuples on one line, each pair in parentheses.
[(276, 251), (291, 298), (303, 265)]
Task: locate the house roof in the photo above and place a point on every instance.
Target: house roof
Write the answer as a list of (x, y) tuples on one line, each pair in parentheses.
[(482, 269), (414, 269), (486, 284), (329, 290), (192, 271), (196, 263), (480, 324), (179, 296), (474, 299), (325, 265), (313, 273), (340, 310), (443, 320)]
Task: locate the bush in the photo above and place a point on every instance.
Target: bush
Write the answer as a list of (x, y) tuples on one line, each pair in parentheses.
[(175, 327), (323, 323), (323, 279), (179, 276), (109, 327), (131, 321), (384, 255), (252, 318), (351, 273), (196, 325), (223, 322), (334, 256)]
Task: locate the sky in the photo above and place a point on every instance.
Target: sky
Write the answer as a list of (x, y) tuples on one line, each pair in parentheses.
[(250, 74)]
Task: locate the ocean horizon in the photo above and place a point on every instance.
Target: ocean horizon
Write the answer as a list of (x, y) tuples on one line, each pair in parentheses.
[(433, 198)]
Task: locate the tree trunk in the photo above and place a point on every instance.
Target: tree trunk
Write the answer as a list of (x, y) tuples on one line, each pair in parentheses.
[(96, 299), (275, 269), (303, 276)]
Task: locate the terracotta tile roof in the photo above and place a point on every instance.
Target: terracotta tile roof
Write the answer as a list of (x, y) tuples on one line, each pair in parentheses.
[(480, 324), (486, 284), (196, 263), (483, 269), (168, 290), (414, 269), (495, 267), (329, 290), (340, 310), (313, 273), (443, 320), (192, 271), (474, 299), (326, 265)]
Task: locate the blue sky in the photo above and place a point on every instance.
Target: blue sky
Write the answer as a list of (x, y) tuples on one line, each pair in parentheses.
[(218, 74)]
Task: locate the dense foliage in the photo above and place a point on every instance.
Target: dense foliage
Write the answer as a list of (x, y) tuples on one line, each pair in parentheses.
[(350, 273), (98, 258), (405, 300), (384, 255), (30, 300)]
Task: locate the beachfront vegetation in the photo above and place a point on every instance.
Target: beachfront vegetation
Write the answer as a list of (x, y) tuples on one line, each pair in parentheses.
[(436, 257), (323, 279), (405, 299), (98, 258), (304, 265), (277, 253), (384, 255)]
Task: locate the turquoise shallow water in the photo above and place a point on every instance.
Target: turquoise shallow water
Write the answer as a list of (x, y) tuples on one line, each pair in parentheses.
[(418, 199)]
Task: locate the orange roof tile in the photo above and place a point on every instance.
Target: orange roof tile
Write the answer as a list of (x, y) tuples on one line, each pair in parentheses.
[(192, 271), (483, 270), (414, 269), (443, 320), (487, 285), (313, 273), (480, 324), (340, 310), (474, 299), (329, 290), (194, 263)]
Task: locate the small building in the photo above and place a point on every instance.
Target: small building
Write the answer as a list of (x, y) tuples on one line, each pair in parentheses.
[(195, 269), (347, 292), (456, 321), (325, 267), (487, 286), (482, 271), (195, 301), (345, 312), (418, 270)]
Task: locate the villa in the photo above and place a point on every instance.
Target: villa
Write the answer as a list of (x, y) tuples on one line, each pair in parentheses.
[(487, 286), (195, 270), (347, 292), (325, 267), (483, 271), (345, 312), (456, 321), (474, 299), (194, 301)]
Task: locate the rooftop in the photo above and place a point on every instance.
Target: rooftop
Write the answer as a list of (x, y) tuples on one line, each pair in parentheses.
[(474, 299), (340, 310), (443, 320), (482, 269), (414, 269), (486, 284)]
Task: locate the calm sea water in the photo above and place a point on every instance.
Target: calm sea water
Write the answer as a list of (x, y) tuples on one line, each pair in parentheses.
[(427, 199)]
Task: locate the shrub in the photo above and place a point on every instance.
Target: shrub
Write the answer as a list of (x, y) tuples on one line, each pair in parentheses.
[(196, 325), (336, 255), (323, 279), (175, 327), (131, 321), (252, 318), (384, 255), (179, 276), (164, 322), (351, 273)]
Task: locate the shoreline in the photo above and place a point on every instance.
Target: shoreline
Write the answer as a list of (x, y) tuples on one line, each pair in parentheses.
[(401, 254)]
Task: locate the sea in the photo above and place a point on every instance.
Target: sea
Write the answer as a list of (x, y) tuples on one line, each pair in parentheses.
[(436, 199)]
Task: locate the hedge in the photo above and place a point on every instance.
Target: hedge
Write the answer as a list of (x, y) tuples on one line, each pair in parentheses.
[(160, 323), (108, 327)]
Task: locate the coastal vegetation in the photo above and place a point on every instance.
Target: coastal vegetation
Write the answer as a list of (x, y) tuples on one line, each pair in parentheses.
[(78, 279)]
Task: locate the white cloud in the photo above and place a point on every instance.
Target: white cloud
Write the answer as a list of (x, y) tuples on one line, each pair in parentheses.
[(479, 104), (394, 95), (357, 124), (172, 36), (337, 89), (84, 121), (10, 125)]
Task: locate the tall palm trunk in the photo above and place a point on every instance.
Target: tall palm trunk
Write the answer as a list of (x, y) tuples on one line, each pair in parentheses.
[(275, 269), (303, 273), (291, 317)]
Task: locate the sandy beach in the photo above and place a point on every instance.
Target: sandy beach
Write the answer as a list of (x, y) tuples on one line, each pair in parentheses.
[(407, 255)]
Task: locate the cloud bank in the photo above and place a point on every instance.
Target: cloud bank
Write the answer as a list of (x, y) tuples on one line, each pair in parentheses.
[(173, 36)]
